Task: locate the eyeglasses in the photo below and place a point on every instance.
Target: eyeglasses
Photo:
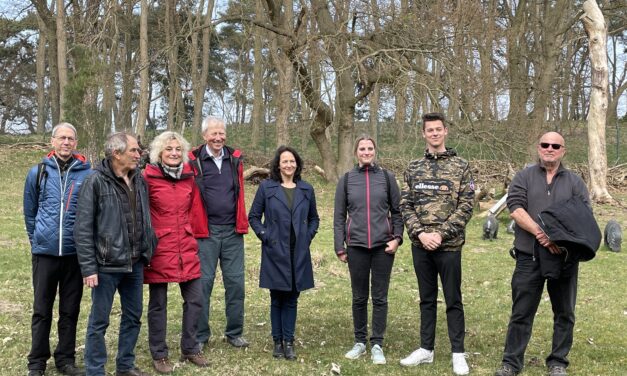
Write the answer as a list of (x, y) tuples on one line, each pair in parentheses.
[(65, 138), (545, 145)]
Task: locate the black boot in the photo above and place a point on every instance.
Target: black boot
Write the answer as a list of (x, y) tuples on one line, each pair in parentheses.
[(289, 350), (278, 349)]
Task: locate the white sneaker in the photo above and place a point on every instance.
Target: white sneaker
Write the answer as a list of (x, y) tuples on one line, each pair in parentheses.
[(358, 350), (377, 355), (460, 367), (418, 357)]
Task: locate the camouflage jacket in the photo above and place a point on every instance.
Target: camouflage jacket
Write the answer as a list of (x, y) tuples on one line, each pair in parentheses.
[(437, 196)]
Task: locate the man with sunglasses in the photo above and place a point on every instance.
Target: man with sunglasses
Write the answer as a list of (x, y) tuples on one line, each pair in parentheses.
[(533, 190)]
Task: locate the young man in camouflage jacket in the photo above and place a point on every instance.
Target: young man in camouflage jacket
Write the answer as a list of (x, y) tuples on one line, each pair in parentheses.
[(436, 204)]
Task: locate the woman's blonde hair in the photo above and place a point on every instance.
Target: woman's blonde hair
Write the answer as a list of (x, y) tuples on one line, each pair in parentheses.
[(159, 143)]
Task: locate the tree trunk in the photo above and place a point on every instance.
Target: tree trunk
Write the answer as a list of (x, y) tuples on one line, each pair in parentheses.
[(144, 78), (42, 106), (400, 113), (596, 29), (172, 48), (257, 115), (373, 119), (61, 54)]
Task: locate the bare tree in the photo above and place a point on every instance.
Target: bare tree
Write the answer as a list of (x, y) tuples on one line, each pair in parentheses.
[(144, 73), (596, 29), (61, 53)]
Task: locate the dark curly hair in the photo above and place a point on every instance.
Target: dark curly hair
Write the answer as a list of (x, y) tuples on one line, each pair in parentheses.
[(275, 171)]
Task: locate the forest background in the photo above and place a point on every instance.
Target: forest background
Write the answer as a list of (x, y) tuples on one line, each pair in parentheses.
[(314, 74)]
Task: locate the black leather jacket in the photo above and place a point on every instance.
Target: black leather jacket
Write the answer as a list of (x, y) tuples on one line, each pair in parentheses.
[(101, 233)]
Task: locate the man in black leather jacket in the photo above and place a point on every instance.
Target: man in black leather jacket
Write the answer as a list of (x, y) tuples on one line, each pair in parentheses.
[(114, 240)]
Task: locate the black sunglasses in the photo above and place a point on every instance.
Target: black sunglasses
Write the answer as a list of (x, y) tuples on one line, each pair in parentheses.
[(545, 145)]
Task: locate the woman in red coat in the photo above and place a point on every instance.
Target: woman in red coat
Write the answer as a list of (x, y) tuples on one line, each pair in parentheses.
[(178, 217)]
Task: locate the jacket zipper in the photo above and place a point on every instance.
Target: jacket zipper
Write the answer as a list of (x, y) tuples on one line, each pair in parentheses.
[(368, 205)]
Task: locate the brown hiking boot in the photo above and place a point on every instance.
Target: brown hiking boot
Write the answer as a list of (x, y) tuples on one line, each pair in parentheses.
[(198, 359), (163, 365)]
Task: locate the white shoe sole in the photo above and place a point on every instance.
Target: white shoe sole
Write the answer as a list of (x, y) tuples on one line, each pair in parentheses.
[(354, 357), (417, 363)]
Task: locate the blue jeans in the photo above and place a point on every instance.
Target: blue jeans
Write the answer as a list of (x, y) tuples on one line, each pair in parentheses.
[(130, 288), (283, 310), (226, 246)]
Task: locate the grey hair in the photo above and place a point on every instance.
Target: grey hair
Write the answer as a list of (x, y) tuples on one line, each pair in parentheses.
[(117, 141), (160, 142), (212, 121), (64, 125)]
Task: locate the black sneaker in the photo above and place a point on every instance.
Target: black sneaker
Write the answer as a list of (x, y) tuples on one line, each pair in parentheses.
[(237, 341), (557, 371), (71, 370), (505, 370), (36, 372)]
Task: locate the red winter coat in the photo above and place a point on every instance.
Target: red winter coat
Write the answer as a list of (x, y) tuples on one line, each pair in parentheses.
[(178, 218)]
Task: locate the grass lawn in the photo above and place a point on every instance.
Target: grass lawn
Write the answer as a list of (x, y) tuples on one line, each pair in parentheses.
[(324, 327)]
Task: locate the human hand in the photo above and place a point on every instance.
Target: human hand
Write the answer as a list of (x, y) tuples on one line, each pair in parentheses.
[(392, 246), (343, 257), (430, 240), (554, 249), (91, 281)]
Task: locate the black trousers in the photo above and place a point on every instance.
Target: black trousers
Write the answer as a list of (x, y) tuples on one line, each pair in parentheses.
[(527, 287), (448, 265), (370, 267), (191, 291), (50, 273)]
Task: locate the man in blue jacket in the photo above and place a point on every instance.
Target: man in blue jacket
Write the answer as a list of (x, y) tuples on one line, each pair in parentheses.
[(50, 196)]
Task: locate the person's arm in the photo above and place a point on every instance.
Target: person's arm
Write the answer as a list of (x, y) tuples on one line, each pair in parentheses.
[(408, 210), (31, 202), (313, 220), (456, 222), (339, 218), (395, 215), (257, 212), (84, 230)]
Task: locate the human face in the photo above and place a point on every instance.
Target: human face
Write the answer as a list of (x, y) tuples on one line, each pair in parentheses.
[(549, 156), (128, 159), (215, 136), (365, 152), (64, 143), (172, 154), (435, 134), (287, 165)]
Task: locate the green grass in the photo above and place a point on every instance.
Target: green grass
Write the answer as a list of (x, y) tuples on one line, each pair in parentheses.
[(324, 327)]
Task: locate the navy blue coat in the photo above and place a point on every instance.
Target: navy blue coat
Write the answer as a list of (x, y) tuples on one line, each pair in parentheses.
[(274, 232)]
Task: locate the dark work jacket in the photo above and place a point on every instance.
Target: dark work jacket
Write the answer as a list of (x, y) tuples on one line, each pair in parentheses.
[(274, 232), (101, 232), (569, 224), (530, 191)]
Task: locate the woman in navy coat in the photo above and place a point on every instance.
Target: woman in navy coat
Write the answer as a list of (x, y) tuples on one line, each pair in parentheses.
[(290, 222)]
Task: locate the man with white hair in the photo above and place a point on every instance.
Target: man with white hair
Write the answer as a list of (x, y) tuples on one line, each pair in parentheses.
[(50, 196), (220, 177)]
